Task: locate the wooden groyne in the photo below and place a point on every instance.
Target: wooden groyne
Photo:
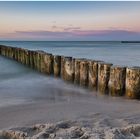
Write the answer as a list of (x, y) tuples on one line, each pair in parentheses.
[(103, 77)]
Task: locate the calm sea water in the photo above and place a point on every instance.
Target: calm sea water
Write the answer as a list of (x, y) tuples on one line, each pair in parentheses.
[(115, 52), (19, 84)]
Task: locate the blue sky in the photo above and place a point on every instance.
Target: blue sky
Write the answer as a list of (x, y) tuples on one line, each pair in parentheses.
[(70, 20)]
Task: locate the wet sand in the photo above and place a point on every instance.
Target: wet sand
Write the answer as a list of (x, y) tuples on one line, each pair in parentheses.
[(33, 99)]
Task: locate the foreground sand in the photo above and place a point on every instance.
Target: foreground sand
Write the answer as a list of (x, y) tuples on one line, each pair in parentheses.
[(93, 127), (87, 118)]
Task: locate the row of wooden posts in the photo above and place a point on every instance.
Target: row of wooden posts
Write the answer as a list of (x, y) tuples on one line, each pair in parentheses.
[(97, 75)]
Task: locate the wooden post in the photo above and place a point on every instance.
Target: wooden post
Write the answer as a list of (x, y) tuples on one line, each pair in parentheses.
[(38, 55), (48, 63), (19, 54), (31, 61), (117, 80), (45, 62), (133, 82), (68, 73), (62, 67), (84, 73), (77, 71), (35, 59), (103, 77), (0, 49), (42, 61), (26, 55), (93, 74), (57, 65)]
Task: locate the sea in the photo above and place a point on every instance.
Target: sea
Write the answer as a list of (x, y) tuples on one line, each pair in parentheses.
[(109, 51), (20, 85)]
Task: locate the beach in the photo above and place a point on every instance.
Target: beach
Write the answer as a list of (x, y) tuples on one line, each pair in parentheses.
[(43, 103), (82, 117), (33, 105)]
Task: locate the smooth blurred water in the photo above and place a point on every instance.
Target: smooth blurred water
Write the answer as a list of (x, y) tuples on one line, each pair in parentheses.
[(115, 52), (20, 84)]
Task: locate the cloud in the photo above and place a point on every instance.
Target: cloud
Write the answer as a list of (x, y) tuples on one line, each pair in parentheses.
[(43, 33), (71, 28), (75, 33)]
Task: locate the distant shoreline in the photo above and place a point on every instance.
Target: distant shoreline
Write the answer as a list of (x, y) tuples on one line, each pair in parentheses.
[(67, 41), (130, 41)]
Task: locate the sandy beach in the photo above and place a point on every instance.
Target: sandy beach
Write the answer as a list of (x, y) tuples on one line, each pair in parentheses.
[(91, 117)]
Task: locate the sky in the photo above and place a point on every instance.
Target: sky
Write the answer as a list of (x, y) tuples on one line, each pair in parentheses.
[(70, 21)]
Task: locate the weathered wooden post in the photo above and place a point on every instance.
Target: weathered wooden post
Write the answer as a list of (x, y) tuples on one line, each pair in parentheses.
[(19, 56), (57, 65), (117, 80), (62, 67), (103, 76), (42, 61), (12, 52), (38, 60), (133, 82), (45, 62), (68, 72), (4, 51), (22, 56), (31, 62), (0, 49), (16, 55), (93, 74), (48, 63), (35, 59), (84, 68), (8, 55), (77, 71), (26, 55)]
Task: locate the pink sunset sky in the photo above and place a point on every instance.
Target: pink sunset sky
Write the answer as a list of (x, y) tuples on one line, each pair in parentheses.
[(68, 21)]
